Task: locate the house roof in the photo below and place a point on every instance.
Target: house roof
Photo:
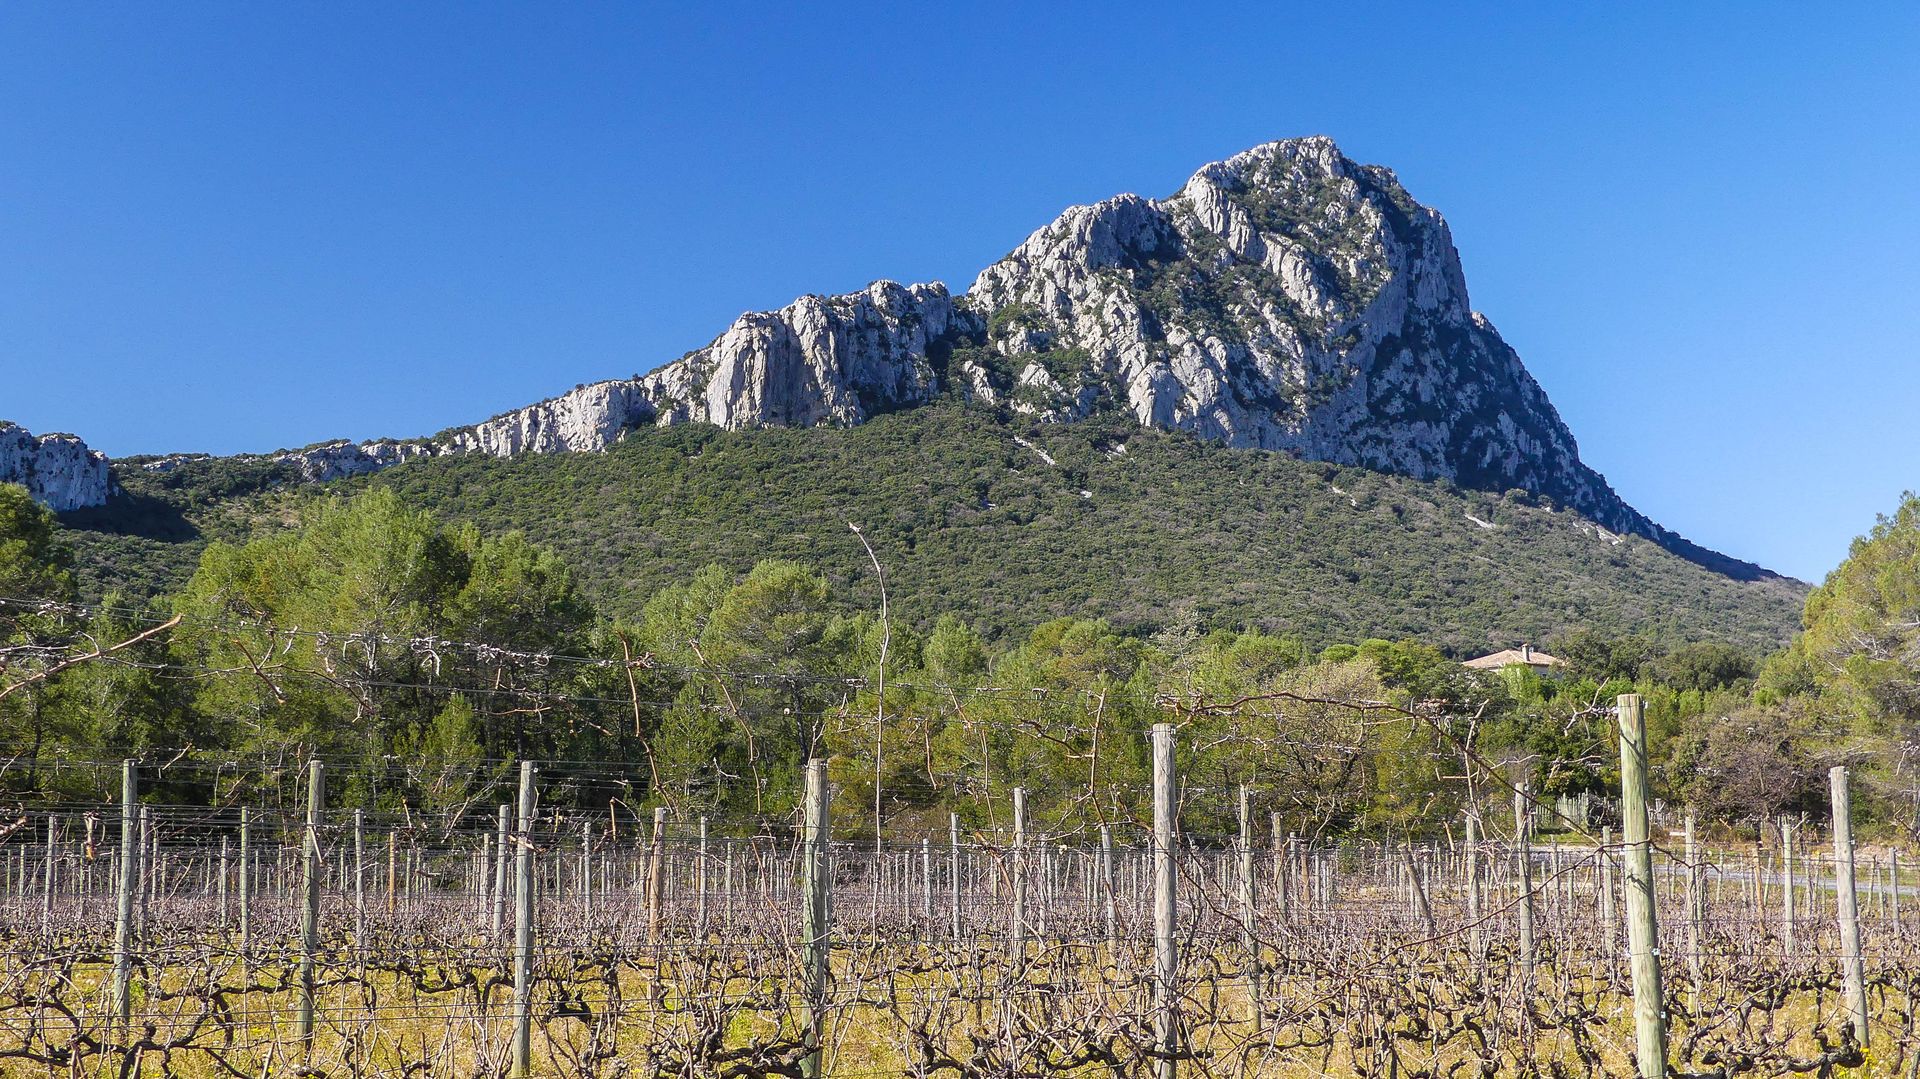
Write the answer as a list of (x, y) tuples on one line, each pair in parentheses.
[(1515, 657)]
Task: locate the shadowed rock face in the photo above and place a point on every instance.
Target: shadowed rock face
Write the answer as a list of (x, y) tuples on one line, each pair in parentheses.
[(57, 470), (1286, 298)]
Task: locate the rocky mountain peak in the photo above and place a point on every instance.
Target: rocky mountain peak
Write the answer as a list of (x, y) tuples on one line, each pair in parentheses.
[(1286, 298), (57, 470)]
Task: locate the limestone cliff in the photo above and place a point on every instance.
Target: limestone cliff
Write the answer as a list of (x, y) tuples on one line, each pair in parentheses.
[(58, 470)]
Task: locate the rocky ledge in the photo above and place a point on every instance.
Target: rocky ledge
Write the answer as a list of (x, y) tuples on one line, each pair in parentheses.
[(57, 470)]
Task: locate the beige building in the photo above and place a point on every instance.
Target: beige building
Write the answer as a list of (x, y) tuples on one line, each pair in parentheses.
[(1524, 656)]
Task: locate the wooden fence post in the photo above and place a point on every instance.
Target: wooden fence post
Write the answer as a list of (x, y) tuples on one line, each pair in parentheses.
[(523, 929), (502, 826), (1696, 911), (1787, 900), (656, 873), (1643, 931), (1476, 933), (1246, 874), (1854, 970), (310, 886), (953, 873), (360, 891), (125, 887), (1280, 853), (1166, 953), (246, 882), (1523, 862), (1019, 882), (815, 885)]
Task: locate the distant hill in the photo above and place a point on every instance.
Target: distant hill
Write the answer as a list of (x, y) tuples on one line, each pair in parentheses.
[(1008, 521)]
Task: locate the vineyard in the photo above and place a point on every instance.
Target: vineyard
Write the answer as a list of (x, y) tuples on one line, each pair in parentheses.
[(153, 939)]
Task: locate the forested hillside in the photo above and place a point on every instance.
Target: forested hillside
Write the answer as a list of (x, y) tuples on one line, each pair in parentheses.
[(425, 656), (1004, 523)]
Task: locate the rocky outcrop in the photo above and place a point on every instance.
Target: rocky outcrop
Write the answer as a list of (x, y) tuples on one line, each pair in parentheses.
[(1287, 299), (820, 360), (59, 471)]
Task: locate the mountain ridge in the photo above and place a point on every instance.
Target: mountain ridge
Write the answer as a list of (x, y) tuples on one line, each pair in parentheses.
[(1286, 298)]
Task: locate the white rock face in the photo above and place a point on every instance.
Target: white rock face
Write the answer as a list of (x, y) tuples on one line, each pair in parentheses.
[(338, 460), (1284, 299), (59, 471), (820, 360)]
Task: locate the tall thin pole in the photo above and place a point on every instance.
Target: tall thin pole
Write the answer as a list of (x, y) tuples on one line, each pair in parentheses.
[(46, 891), (360, 890), (953, 873), (499, 924), (1787, 913), (246, 882), (523, 930), (701, 913), (1112, 902), (1696, 910), (310, 882), (814, 885), (1523, 865), (1019, 926), (1643, 931), (1246, 871), (226, 862), (1607, 923), (1476, 934), (1854, 970), (586, 875), (129, 880), (1166, 953), (1280, 859)]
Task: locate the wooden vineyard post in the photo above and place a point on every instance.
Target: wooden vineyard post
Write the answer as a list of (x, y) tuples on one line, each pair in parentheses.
[(1422, 908), (1166, 955), (246, 883), (360, 891), (143, 875), (1245, 852), (523, 930), (1280, 884), (1523, 864), (926, 881), (1019, 925), (1696, 910), (1643, 933), (656, 877), (124, 889), (310, 886), (1893, 878), (499, 923), (393, 870), (814, 885), (953, 873), (46, 881), (1608, 915), (1787, 889), (1476, 934), (1112, 903), (226, 855), (1848, 903), (700, 914)]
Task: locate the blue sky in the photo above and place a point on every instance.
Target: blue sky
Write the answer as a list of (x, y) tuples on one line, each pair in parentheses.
[(231, 227)]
